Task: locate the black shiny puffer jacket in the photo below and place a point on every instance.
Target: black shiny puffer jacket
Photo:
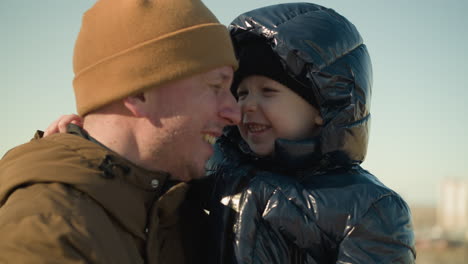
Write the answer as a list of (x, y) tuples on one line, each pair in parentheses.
[(311, 202)]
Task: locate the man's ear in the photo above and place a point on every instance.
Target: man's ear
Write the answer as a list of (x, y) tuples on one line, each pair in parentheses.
[(136, 105)]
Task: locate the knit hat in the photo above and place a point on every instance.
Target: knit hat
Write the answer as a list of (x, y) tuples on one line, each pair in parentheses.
[(127, 46), (256, 57)]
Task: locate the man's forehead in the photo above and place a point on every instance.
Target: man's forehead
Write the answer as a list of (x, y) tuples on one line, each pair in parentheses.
[(221, 75)]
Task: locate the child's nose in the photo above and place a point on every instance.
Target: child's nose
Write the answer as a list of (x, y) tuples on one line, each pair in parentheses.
[(249, 105)]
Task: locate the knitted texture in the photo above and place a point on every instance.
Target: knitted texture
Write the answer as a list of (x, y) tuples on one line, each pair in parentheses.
[(127, 46)]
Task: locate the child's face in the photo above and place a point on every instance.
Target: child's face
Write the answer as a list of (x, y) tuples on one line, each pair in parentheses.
[(271, 110)]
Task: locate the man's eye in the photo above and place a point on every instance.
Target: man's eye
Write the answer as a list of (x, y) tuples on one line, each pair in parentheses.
[(216, 86)]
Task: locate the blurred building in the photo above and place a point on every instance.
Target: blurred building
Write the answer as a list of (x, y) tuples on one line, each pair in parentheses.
[(452, 209)]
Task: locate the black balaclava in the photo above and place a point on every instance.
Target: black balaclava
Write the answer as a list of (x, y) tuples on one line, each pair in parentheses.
[(257, 58)]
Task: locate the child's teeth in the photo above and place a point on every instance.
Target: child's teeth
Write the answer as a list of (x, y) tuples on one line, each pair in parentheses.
[(256, 128)]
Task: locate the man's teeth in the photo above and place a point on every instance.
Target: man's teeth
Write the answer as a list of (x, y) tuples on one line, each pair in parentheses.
[(209, 138), (256, 128)]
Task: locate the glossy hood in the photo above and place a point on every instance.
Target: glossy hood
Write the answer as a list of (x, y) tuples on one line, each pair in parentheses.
[(324, 52)]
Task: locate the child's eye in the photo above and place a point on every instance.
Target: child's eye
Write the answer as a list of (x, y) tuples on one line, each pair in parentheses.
[(268, 91), (241, 94)]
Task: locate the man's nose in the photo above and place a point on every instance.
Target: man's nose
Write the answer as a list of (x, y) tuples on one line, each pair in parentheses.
[(230, 110)]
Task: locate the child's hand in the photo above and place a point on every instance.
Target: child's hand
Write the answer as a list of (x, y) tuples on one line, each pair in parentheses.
[(60, 125)]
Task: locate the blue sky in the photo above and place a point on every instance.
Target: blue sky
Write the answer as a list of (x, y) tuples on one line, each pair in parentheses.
[(419, 125)]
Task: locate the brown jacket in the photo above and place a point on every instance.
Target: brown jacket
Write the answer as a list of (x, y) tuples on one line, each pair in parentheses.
[(65, 199)]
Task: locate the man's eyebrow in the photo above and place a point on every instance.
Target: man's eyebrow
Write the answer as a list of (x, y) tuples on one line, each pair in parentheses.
[(220, 77)]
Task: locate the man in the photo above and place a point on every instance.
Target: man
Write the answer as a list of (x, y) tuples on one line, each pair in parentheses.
[(152, 82)]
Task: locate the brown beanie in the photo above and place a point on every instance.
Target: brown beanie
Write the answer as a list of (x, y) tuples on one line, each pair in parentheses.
[(126, 46)]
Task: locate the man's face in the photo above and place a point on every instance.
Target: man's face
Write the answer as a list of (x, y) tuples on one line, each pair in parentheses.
[(187, 116)]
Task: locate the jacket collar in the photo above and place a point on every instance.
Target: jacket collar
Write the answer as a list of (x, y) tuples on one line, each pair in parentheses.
[(132, 201), (289, 155)]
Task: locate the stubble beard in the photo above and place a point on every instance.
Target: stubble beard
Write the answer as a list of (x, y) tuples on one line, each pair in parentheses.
[(193, 171)]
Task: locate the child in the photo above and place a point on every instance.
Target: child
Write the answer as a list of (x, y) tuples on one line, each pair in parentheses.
[(288, 184)]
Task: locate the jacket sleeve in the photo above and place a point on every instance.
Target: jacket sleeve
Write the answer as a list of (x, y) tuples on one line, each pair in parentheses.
[(383, 235), (35, 229), (42, 239)]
